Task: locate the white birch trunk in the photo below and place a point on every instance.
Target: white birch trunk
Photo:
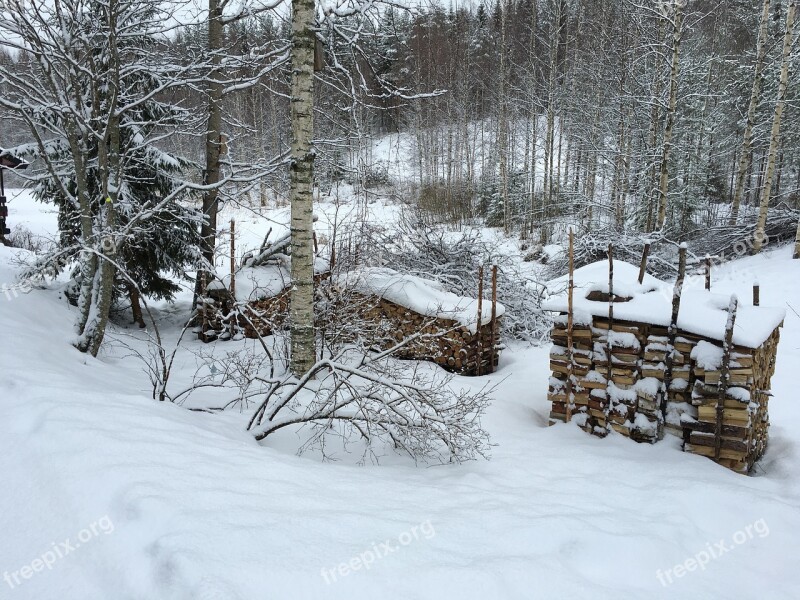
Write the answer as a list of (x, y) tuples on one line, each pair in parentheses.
[(663, 186), (301, 187), (746, 154), (774, 139)]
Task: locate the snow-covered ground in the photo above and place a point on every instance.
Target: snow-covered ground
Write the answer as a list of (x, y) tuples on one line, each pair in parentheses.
[(109, 495)]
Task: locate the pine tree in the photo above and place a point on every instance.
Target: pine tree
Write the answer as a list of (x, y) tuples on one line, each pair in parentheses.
[(90, 102)]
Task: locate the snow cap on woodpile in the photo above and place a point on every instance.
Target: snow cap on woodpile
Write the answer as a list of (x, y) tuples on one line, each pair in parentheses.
[(702, 312), (264, 281), (422, 296)]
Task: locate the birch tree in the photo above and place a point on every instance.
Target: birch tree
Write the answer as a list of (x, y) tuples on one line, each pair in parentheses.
[(746, 152), (677, 33), (774, 139), (301, 191)]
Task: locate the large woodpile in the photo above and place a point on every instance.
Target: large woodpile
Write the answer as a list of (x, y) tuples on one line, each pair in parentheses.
[(453, 346), (635, 402), (643, 378)]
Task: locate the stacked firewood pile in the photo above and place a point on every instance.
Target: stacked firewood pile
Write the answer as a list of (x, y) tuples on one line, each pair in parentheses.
[(654, 363), (451, 345), (743, 430), (223, 318), (441, 329), (642, 379), (619, 393), (635, 402)]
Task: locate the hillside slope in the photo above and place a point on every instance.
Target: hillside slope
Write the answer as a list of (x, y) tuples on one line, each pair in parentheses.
[(184, 505)]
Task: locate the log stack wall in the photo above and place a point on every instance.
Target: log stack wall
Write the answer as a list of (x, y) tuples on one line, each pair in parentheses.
[(446, 342), (629, 395), (380, 322)]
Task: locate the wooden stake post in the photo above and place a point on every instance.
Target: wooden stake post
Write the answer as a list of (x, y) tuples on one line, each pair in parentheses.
[(234, 314), (708, 272), (756, 294), (233, 260), (570, 343), (609, 345), (480, 320), (643, 266), (724, 373), (494, 319), (673, 326)]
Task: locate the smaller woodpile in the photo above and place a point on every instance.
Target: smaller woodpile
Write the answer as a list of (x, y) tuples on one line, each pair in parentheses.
[(260, 308), (634, 355), (444, 327), (252, 300)]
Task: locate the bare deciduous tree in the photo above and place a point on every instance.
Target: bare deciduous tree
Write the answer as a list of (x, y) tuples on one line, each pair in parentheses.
[(774, 140)]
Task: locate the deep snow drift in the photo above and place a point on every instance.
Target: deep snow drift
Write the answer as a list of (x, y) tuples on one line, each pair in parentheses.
[(109, 495)]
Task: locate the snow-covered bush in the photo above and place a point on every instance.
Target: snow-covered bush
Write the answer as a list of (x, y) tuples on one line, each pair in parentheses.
[(592, 246), (415, 247), (722, 242), (371, 402), (22, 237)]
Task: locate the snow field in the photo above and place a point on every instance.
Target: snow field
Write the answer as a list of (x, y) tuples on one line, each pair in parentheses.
[(200, 511)]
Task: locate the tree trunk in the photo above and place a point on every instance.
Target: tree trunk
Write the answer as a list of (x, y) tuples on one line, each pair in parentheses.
[(617, 198), (797, 242), (746, 154), (301, 189), (774, 139), (534, 25), (88, 262), (502, 131), (112, 183), (663, 186), (211, 175), (655, 117), (549, 144), (136, 305)]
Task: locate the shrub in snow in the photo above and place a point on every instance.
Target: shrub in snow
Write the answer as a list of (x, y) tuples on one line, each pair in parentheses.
[(368, 402), (452, 259)]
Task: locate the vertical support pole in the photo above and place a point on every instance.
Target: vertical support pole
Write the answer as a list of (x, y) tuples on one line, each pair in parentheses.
[(570, 342), (204, 305), (643, 266), (609, 345), (708, 272), (316, 246), (724, 373), (234, 314), (673, 326), (756, 294), (3, 210), (233, 260), (494, 319), (480, 320)]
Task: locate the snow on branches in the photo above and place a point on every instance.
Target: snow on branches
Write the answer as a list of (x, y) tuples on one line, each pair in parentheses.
[(374, 401)]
